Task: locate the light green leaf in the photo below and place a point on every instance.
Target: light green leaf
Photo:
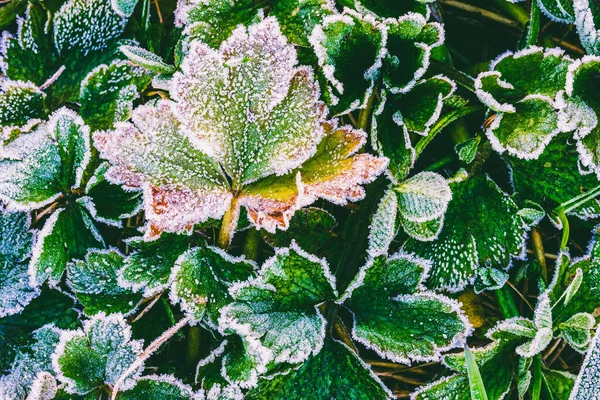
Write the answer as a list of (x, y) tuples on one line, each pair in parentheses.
[(476, 385), (467, 150), (270, 310), (96, 355), (201, 281), (16, 241), (395, 317), (384, 225), (577, 330), (147, 59), (149, 267), (482, 228), (94, 282), (334, 373)]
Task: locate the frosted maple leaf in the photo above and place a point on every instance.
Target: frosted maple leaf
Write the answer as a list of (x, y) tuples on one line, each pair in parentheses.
[(245, 128)]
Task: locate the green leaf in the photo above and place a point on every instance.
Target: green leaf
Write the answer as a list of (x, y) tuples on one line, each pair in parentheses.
[(558, 10), (67, 234), (587, 384), (108, 91), (96, 355), (16, 241), (43, 388), (201, 281), (334, 373), (20, 103), (396, 317), (285, 154), (148, 268), (36, 168), (410, 41), (299, 17), (109, 203), (467, 150), (522, 89), (147, 59), (124, 7), (482, 228), (577, 330), (94, 282), (337, 42), (30, 361), (213, 21), (495, 362), (277, 311), (558, 385), (554, 178), (475, 381), (311, 227), (158, 387), (384, 225), (387, 9), (586, 21)]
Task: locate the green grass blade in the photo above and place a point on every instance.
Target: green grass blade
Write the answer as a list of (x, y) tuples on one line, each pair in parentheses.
[(475, 381)]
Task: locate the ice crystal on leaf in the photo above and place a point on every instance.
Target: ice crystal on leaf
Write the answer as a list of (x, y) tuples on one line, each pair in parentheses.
[(270, 310), (521, 89), (21, 103), (159, 387), (96, 355), (586, 21), (396, 317), (586, 385), (17, 384), (16, 241), (558, 10), (469, 239), (245, 128), (335, 373), (45, 168)]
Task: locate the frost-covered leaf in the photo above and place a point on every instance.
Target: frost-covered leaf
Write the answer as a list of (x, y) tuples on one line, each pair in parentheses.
[(284, 156), (577, 330), (43, 387), (532, 213), (277, 311), (20, 102), (586, 21), (401, 120), (338, 42), (96, 355), (16, 385), (587, 385), (108, 91), (581, 111), (557, 385), (81, 35), (124, 7), (159, 387), (495, 362), (299, 17), (410, 40), (107, 202), (213, 21), (148, 268), (147, 59), (311, 228), (422, 203), (384, 225), (201, 281), (467, 150), (396, 318), (67, 234), (482, 229), (554, 178), (37, 167), (558, 10), (334, 373), (521, 88), (16, 241), (94, 282)]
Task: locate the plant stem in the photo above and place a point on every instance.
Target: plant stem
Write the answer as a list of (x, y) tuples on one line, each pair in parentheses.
[(252, 244), (507, 305), (365, 113), (578, 201), (194, 340), (464, 80), (514, 11), (533, 27), (443, 122), (566, 230), (440, 163), (228, 224), (538, 247), (536, 387)]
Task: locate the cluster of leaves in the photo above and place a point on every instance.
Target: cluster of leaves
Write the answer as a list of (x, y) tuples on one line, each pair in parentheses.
[(226, 199)]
